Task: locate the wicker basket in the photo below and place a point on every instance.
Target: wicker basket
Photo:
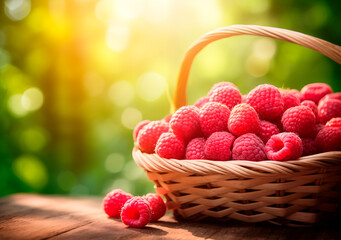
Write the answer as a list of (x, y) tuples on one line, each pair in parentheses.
[(297, 192)]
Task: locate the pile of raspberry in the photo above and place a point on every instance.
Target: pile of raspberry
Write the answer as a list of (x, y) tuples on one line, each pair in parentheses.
[(268, 123), (134, 211)]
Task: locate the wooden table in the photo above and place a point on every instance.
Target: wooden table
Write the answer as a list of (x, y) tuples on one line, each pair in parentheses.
[(29, 216)]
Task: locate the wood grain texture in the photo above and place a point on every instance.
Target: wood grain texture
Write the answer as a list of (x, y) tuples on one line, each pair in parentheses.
[(29, 216)]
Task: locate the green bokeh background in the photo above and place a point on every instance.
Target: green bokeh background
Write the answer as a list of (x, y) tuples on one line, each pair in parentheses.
[(76, 76)]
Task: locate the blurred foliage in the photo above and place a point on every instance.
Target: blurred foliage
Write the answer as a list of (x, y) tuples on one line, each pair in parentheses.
[(76, 76)]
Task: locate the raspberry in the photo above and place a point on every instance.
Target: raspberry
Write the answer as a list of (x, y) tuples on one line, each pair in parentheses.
[(195, 149), (114, 201), (315, 91), (157, 206), (243, 119), (213, 118), (315, 130), (136, 212), (149, 135), (331, 96), (185, 123), (284, 146), (201, 102), (220, 84), (309, 147), (267, 101), (312, 106), (334, 122), (170, 146), (229, 96), (138, 127), (328, 109), (296, 93), (167, 118), (267, 129), (248, 147), (243, 98), (218, 146), (299, 120), (329, 139), (289, 100)]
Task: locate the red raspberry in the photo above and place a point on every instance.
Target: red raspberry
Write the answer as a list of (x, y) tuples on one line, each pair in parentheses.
[(331, 96), (334, 122), (167, 118), (289, 100), (243, 119), (312, 106), (185, 123), (309, 147), (284, 146), (136, 212), (149, 135), (267, 129), (328, 109), (299, 120), (248, 147), (296, 93), (221, 84), (196, 149), (218, 146), (229, 96), (157, 206), (329, 139), (201, 102), (315, 91), (243, 98), (267, 101), (138, 127), (315, 130), (114, 201), (170, 146), (213, 118)]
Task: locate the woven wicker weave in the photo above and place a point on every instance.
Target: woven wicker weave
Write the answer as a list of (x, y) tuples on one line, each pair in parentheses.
[(294, 192)]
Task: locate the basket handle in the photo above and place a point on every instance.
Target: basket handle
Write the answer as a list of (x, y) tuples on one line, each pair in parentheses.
[(326, 48)]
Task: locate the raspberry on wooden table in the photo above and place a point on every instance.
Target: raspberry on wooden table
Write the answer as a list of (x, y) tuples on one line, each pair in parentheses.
[(315, 91), (170, 146), (243, 119), (284, 146), (196, 149), (221, 84), (300, 120), (185, 123), (114, 201), (267, 101), (218, 146), (136, 212), (213, 118), (138, 127), (149, 135), (248, 147), (157, 206), (328, 109), (267, 129), (229, 96)]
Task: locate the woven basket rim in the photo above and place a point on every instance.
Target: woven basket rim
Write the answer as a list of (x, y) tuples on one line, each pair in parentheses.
[(238, 168)]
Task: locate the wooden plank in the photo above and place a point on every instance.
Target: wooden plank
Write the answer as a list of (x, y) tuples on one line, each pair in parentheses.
[(27, 216)]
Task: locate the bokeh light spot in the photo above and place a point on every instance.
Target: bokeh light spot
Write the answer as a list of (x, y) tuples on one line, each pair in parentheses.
[(257, 67), (114, 162), (128, 9), (17, 9), (117, 37), (4, 58), (150, 86), (31, 171), (15, 107), (120, 183), (130, 117), (264, 49), (33, 139), (32, 99), (132, 171), (121, 93)]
